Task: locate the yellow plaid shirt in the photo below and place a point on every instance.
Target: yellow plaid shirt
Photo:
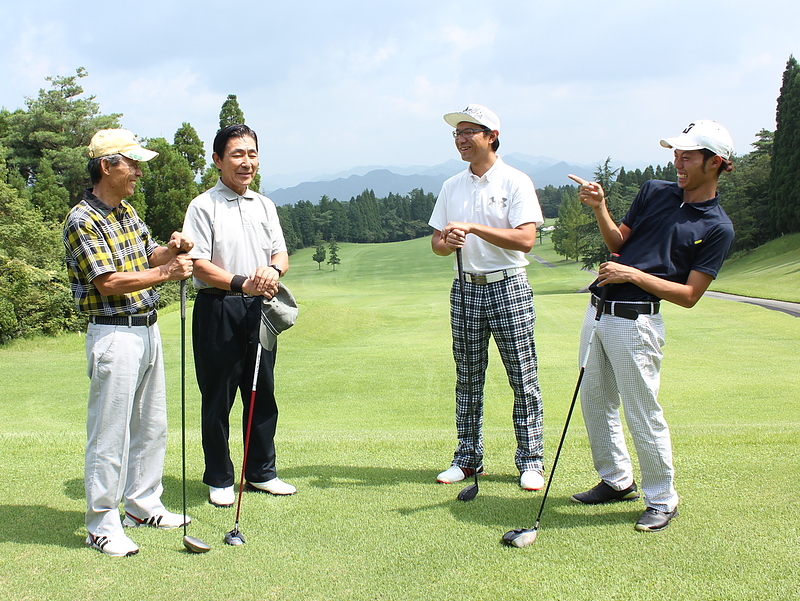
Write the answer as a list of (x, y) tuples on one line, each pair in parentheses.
[(99, 239)]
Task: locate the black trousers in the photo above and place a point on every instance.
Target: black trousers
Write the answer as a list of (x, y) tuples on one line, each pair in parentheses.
[(224, 340)]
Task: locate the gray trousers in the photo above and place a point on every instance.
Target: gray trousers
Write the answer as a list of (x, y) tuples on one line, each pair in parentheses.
[(126, 425), (625, 367)]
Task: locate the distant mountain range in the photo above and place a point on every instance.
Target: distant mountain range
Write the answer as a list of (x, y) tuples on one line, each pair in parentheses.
[(382, 180)]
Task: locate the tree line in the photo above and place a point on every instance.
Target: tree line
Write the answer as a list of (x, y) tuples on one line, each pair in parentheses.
[(760, 195), (43, 174)]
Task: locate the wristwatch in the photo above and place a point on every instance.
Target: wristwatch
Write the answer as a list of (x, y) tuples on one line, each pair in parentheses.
[(278, 269)]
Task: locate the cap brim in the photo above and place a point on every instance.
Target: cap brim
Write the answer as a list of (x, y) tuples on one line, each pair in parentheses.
[(453, 119), (678, 145), (139, 154)]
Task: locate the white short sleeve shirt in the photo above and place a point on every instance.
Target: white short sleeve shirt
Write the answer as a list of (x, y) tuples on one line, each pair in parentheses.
[(236, 233), (504, 198)]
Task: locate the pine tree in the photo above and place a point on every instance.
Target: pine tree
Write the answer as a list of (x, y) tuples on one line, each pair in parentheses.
[(334, 260), (230, 113), (784, 196), (189, 144), (319, 254)]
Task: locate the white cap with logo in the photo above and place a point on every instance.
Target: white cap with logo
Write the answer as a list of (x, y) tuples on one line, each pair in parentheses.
[(474, 113), (700, 134)]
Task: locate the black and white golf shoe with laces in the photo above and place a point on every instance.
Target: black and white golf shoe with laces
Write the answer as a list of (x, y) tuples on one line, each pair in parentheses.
[(164, 520), (120, 546)]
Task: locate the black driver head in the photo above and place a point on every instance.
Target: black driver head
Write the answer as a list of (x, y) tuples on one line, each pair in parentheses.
[(468, 492)]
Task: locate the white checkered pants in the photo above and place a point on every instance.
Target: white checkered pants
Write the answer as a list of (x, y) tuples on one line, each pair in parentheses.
[(625, 365), (505, 311)]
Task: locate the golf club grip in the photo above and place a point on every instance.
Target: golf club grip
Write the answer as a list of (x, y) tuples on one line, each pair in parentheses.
[(604, 292), (183, 299)]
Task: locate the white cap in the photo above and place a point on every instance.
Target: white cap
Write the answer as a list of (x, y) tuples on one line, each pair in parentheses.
[(703, 134), (474, 113)]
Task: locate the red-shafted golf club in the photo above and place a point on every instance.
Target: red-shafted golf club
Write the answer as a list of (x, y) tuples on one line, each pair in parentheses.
[(235, 537), (522, 537)]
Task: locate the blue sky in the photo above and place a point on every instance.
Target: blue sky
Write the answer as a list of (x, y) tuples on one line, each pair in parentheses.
[(332, 85)]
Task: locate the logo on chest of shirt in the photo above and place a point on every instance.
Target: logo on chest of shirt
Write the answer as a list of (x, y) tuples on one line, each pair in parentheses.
[(497, 202)]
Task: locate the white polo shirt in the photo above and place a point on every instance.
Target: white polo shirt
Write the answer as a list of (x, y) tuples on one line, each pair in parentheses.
[(503, 198), (236, 233)]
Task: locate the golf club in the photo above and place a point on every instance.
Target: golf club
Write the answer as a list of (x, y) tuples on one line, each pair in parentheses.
[(192, 544), (469, 492), (522, 537), (235, 537)]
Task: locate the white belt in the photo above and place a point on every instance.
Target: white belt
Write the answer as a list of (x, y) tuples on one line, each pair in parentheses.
[(490, 278)]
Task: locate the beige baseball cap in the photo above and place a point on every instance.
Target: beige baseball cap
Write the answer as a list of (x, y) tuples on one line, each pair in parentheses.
[(118, 141)]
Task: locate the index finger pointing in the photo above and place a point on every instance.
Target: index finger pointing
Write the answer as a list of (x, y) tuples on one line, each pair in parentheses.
[(577, 179)]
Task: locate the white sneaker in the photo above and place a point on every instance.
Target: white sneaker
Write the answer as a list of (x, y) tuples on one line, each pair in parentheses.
[(276, 486), (456, 474), (531, 480), (221, 497), (121, 546), (165, 521)]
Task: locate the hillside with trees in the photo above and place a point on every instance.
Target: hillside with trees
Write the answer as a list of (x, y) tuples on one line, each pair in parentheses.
[(43, 174)]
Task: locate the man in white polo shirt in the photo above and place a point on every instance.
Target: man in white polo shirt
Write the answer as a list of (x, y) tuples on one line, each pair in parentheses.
[(491, 212)]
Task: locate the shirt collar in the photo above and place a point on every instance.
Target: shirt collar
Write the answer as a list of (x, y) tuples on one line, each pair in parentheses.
[(97, 204), (229, 194), (486, 176), (704, 206)]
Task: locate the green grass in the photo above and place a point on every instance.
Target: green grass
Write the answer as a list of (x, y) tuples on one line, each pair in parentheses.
[(770, 271), (365, 385)]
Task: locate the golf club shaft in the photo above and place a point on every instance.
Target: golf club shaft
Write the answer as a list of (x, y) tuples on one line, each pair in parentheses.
[(460, 264), (183, 398), (585, 360), (247, 432)]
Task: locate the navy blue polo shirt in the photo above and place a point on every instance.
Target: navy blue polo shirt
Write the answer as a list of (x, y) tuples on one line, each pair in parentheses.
[(670, 238)]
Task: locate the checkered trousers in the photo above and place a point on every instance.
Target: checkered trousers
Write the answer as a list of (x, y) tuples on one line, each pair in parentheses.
[(505, 311), (624, 366)]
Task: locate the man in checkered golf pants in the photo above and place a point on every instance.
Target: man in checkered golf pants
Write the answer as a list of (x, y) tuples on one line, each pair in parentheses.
[(489, 213)]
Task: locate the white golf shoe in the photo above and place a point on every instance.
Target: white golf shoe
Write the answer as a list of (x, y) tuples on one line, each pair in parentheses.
[(531, 480), (221, 497), (120, 546), (455, 474), (165, 520), (276, 486)]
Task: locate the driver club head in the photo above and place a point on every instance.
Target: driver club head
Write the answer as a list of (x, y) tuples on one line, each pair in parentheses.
[(195, 545), (522, 537), (234, 538), (468, 493)]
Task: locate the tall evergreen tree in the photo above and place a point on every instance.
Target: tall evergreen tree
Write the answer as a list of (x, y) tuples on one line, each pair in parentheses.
[(189, 144), (168, 185), (319, 253), (230, 113), (334, 259), (784, 195)]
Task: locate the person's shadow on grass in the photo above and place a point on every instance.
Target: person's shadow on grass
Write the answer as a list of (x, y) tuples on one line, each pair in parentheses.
[(41, 525)]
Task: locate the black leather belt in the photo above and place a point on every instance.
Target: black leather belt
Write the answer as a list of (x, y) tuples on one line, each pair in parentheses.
[(125, 320), (626, 309), (221, 292)]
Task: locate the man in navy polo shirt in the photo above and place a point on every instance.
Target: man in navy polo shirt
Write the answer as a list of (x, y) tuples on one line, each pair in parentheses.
[(670, 246)]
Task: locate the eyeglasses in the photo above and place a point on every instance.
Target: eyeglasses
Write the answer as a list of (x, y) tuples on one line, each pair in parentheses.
[(469, 132)]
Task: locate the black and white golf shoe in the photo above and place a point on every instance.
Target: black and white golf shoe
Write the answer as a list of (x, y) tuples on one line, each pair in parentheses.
[(120, 546)]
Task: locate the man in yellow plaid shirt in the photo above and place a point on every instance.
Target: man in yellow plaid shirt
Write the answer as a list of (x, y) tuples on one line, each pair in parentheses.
[(114, 264)]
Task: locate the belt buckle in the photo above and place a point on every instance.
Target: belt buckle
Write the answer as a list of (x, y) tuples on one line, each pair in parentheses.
[(478, 278)]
